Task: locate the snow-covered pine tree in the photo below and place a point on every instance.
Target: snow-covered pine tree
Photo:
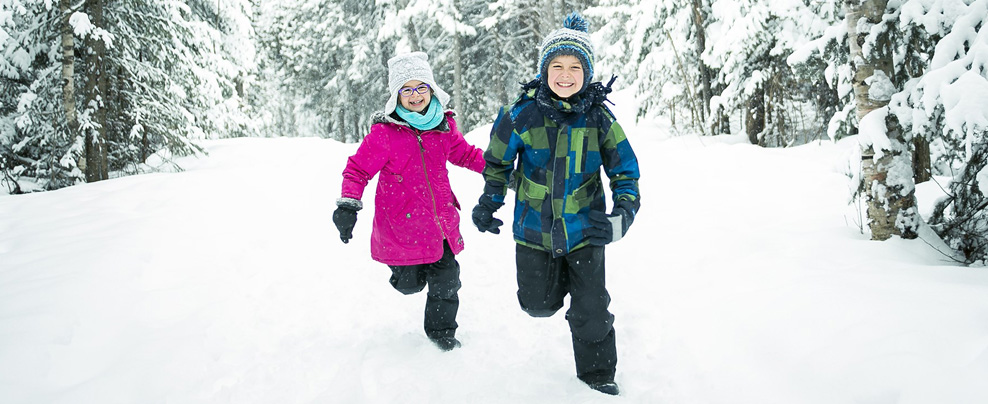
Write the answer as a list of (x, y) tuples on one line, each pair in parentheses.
[(828, 55), (273, 98), (748, 44), (479, 95), (331, 62), (920, 29), (515, 29), (136, 88), (223, 35), (948, 105), (153, 94), (825, 55), (440, 29), (645, 45), (38, 151)]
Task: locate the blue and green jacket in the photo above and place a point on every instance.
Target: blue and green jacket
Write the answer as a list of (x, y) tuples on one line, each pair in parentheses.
[(557, 166)]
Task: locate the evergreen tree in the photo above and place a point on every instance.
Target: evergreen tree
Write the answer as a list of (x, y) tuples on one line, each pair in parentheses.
[(749, 49), (828, 56), (947, 105), (153, 88), (222, 35), (38, 151), (506, 50), (140, 79), (332, 64), (922, 27), (645, 47), (440, 29)]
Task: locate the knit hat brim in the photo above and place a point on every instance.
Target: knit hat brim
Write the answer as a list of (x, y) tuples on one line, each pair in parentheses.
[(566, 51)]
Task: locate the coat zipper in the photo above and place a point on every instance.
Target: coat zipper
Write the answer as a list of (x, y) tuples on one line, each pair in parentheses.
[(428, 185), (560, 133)]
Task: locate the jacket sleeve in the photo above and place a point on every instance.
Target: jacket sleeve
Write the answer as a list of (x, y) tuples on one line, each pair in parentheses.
[(369, 159), (620, 164), (462, 153), (500, 155)]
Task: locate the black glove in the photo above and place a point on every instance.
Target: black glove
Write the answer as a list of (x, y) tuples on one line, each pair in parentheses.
[(483, 215), (610, 228), (345, 217)]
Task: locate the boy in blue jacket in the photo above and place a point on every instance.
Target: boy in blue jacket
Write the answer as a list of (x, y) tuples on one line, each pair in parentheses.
[(561, 135)]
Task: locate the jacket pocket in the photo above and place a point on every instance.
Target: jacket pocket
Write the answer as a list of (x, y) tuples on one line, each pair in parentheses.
[(531, 199), (398, 207), (529, 191), (586, 194)]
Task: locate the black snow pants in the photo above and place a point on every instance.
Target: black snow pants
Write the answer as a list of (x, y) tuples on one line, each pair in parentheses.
[(442, 301), (543, 282)]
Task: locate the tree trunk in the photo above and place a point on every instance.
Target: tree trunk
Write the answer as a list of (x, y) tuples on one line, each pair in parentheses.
[(922, 166), (499, 71), (413, 37), (460, 97), (68, 77), (891, 206), (720, 122), (701, 45), (95, 96), (754, 117)]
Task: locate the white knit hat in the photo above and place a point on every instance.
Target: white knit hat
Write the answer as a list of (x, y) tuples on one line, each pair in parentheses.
[(406, 67)]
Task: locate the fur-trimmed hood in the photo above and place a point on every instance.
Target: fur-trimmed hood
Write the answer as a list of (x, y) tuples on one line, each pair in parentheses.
[(381, 117)]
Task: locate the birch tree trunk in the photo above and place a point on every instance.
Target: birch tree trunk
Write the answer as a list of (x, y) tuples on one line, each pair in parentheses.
[(891, 200), (95, 96), (68, 76)]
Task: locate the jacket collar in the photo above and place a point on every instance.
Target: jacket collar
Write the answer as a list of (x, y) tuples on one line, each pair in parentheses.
[(563, 110), (392, 118)]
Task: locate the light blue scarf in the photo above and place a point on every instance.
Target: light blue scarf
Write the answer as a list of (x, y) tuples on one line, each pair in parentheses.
[(430, 119)]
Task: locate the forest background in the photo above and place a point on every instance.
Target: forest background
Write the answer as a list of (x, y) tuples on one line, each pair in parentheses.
[(98, 89)]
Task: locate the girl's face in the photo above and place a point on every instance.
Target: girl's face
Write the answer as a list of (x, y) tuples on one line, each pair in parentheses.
[(565, 75), (412, 99)]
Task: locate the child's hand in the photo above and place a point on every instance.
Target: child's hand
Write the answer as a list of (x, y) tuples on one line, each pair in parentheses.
[(610, 228), (345, 217), (483, 215)]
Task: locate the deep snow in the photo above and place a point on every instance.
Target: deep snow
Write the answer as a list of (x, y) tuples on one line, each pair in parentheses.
[(743, 280)]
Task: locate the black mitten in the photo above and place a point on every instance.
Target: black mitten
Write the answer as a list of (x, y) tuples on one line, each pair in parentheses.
[(610, 228), (345, 217), (483, 215)]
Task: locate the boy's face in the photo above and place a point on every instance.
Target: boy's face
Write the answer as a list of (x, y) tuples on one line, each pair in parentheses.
[(565, 75), (415, 101)]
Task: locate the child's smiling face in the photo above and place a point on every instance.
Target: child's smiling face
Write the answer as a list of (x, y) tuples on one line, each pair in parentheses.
[(565, 75), (415, 101)]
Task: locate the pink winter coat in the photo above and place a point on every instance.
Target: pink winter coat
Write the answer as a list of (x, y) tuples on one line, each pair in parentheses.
[(414, 206)]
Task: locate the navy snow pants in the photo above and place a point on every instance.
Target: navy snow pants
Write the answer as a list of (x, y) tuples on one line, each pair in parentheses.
[(543, 282), (442, 301)]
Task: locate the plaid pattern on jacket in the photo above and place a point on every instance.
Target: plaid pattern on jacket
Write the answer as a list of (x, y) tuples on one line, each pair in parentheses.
[(558, 174)]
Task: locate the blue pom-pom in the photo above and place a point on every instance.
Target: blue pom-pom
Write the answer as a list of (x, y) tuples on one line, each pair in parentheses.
[(575, 21)]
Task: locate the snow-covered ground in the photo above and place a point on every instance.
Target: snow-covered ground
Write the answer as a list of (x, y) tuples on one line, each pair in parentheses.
[(744, 279)]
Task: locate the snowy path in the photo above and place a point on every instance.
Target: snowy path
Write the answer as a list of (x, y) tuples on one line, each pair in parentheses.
[(740, 282)]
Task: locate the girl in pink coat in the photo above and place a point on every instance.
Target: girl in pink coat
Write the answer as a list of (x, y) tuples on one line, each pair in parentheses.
[(416, 229)]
